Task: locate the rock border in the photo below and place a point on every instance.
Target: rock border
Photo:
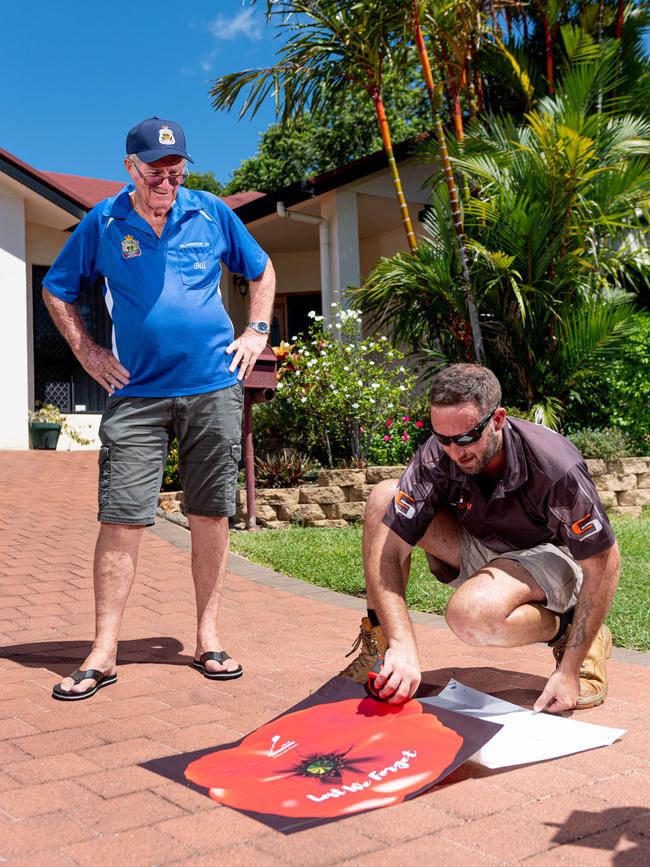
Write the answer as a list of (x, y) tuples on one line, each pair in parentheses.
[(339, 496)]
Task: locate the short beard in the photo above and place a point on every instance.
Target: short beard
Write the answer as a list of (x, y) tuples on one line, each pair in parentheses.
[(492, 447)]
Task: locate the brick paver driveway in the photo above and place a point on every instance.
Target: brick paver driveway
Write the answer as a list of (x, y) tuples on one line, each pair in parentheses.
[(71, 787)]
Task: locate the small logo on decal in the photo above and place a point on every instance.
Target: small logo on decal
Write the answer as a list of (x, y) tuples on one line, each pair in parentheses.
[(131, 247), (583, 528), (200, 266), (166, 136), (404, 504)]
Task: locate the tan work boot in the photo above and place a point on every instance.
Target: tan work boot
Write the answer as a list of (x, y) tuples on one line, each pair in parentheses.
[(593, 673), (373, 645)]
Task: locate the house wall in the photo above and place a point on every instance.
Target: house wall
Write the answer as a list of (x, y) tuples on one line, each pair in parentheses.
[(13, 323), (297, 272), (387, 244)]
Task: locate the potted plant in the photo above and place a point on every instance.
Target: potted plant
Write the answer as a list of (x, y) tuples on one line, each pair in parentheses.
[(45, 425)]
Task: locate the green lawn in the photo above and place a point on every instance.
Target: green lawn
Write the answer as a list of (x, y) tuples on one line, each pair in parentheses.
[(332, 558)]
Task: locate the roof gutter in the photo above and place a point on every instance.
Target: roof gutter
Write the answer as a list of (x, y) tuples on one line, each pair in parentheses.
[(41, 188)]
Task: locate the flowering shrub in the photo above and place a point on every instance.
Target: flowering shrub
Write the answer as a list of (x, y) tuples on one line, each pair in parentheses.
[(339, 391), (606, 443), (396, 442)]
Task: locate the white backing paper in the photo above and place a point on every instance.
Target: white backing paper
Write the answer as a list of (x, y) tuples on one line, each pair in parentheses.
[(526, 736)]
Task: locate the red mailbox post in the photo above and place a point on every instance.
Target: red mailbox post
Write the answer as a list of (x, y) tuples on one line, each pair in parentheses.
[(260, 386)]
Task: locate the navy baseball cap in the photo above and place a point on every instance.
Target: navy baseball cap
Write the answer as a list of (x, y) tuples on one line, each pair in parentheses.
[(153, 139)]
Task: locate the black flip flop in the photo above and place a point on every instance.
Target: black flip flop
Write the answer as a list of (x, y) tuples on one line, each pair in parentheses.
[(78, 675), (220, 657)]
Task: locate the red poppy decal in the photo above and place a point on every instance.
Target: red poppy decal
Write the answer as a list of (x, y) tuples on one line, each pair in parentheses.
[(331, 760)]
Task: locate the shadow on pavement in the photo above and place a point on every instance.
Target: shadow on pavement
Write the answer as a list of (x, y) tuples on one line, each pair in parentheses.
[(513, 686), (609, 830), (59, 656)]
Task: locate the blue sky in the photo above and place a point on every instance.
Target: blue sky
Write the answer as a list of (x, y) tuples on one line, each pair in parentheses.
[(77, 75)]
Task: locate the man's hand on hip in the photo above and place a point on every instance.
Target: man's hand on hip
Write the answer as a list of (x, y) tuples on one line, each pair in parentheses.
[(247, 348), (102, 365)]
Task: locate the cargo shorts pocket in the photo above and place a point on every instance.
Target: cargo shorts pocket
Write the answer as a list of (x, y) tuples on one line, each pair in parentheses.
[(104, 488), (209, 471)]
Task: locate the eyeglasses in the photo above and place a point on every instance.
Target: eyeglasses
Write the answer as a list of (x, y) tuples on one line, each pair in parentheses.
[(470, 436), (155, 180)]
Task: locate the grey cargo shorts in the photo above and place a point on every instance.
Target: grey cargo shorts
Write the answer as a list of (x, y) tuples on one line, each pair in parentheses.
[(551, 566), (135, 434)]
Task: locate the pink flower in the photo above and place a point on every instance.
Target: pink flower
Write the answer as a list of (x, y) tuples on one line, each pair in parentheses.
[(389, 422), (406, 418), (362, 429), (419, 424), (406, 437), (386, 438)]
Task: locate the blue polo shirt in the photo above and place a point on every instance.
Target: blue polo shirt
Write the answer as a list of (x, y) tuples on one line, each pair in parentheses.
[(170, 327)]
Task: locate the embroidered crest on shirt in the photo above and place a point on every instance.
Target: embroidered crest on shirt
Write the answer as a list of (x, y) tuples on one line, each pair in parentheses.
[(166, 136), (130, 247)]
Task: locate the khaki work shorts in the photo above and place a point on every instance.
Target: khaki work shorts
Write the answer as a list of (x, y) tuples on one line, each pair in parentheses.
[(135, 433), (551, 566)]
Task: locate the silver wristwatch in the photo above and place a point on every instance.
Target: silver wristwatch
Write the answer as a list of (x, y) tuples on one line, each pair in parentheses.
[(260, 327)]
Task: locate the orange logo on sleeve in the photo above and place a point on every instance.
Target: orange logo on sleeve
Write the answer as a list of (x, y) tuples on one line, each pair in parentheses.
[(583, 528), (404, 504)]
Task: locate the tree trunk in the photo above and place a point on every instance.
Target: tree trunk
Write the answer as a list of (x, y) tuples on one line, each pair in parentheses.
[(457, 217), (388, 147), (620, 18)]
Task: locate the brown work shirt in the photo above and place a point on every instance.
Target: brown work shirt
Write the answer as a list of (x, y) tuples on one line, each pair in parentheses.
[(545, 494)]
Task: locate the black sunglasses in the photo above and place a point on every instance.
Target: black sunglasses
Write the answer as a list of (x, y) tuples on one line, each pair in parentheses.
[(470, 436)]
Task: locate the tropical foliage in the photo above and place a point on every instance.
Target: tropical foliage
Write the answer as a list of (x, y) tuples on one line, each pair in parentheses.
[(534, 256), (309, 144), (330, 49), (554, 211)]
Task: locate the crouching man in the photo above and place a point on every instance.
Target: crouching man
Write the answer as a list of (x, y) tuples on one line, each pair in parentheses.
[(509, 517)]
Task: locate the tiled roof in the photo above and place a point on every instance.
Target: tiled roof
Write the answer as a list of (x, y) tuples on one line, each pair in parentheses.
[(87, 191)]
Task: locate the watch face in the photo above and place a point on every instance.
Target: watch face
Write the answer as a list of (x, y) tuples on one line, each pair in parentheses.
[(262, 327)]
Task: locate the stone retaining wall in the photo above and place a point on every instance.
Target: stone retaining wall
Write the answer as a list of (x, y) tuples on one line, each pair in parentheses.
[(339, 496)]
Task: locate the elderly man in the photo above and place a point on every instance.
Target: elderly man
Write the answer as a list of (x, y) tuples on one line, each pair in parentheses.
[(509, 517), (175, 369)]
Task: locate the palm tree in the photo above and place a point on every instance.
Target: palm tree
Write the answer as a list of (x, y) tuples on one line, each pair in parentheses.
[(329, 48), (435, 100), (553, 207)]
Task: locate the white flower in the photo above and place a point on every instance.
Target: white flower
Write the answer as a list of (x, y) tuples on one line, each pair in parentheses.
[(312, 314), (303, 400), (355, 406)]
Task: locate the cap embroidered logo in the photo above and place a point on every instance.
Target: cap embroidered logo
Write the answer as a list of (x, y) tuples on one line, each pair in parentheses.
[(166, 136)]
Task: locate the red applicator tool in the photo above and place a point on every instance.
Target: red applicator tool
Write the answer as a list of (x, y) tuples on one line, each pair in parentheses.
[(372, 676)]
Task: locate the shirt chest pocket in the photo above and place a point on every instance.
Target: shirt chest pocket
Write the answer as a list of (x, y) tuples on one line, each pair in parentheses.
[(199, 266)]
